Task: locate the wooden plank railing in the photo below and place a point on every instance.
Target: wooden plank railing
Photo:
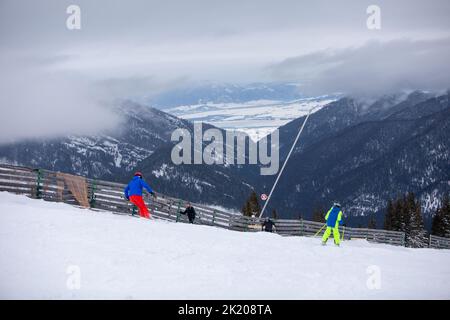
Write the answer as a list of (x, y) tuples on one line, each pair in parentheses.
[(103, 195), (439, 242), (107, 195)]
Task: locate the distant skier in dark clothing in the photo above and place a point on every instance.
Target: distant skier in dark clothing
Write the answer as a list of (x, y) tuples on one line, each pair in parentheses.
[(133, 193), (267, 225), (190, 211)]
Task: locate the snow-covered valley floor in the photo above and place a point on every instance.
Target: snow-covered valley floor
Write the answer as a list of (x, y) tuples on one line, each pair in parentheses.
[(55, 251)]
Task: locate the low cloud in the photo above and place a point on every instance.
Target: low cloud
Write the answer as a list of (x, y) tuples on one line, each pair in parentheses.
[(138, 88), (371, 69), (37, 101), (55, 81), (41, 98)]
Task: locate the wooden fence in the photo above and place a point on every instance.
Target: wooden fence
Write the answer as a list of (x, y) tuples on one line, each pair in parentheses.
[(100, 195), (106, 195)]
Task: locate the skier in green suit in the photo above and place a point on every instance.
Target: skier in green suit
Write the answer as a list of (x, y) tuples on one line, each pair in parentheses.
[(333, 219)]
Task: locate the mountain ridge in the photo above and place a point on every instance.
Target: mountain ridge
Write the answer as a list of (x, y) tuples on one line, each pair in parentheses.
[(355, 153)]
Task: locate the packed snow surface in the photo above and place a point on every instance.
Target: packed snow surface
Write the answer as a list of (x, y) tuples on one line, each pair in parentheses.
[(56, 251)]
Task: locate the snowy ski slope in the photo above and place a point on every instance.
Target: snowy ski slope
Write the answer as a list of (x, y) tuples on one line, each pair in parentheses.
[(56, 251)]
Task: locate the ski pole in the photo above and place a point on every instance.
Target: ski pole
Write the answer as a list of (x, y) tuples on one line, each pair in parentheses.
[(320, 230), (343, 231)]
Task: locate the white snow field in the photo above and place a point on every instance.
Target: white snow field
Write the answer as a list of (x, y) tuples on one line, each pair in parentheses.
[(56, 251), (256, 118)]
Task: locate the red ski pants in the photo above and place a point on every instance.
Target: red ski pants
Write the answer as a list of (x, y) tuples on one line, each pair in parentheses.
[(139, 202)]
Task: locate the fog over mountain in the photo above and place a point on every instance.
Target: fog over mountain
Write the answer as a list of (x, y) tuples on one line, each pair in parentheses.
[(65, 78)]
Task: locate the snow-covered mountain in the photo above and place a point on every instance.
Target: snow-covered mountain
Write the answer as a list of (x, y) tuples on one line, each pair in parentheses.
[(359, 153), (141, 142), (363, 154), (141, 132)]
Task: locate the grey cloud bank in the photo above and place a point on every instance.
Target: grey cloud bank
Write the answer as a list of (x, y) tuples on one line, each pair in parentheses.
[(372, 69), (56, 81), (41, 103)]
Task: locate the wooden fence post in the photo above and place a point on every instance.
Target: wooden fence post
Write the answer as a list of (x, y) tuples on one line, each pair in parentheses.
[(169, 207), (92, 195), (214, 216), (231, 222), (178, 210), (38, 194)]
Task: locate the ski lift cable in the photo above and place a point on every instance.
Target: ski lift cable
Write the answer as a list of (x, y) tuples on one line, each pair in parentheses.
[(287, 158)]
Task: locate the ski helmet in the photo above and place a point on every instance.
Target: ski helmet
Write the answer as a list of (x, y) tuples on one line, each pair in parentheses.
[(138, 174)]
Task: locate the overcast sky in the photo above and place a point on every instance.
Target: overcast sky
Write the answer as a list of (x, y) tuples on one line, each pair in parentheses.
[(127, 48)]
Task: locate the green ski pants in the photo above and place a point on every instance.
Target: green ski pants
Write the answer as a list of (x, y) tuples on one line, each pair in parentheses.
[(336, 235)]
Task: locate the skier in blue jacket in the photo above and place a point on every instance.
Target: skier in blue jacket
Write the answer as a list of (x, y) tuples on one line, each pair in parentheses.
[(133, 193), (333, 220)]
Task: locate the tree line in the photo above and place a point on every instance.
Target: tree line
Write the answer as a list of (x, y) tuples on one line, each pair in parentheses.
[(404, 214)]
